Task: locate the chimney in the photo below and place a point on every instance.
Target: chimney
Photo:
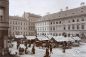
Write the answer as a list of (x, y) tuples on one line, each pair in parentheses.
[(82, 3), (67, 8)]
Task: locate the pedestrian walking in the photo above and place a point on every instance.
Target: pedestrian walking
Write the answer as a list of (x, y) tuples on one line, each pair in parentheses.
[(47, 53), (26, 51), (33, 50), (50, 49), (64, 46)]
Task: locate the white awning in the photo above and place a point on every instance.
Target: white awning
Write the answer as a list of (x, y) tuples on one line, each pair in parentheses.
[(42, 38), (30, 37), (49, 36), (62, 38), (76, 38), (19, 36)]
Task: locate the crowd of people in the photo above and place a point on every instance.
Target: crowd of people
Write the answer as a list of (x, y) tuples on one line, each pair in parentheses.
[(46, 44)]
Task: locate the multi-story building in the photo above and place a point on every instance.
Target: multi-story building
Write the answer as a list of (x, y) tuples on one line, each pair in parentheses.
[(18, 26), (4, 23), (70, 21), (31, 18), (22, 25)]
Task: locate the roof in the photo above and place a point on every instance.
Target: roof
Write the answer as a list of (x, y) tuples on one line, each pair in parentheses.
[(62, 14), (17, 18), (42, 38), (32, 15), (62, 38), (30, 37), (76, 38), (19, 36), (49, 36)]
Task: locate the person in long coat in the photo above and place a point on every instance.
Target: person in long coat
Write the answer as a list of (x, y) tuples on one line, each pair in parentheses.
[(47, 53), (50, 48), (64, 46), (33, 50)]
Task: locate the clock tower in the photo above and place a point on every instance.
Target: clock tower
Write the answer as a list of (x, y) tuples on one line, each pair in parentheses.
[(4, 24)]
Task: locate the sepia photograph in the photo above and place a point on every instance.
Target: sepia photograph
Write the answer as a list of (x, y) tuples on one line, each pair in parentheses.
[(42, 28)]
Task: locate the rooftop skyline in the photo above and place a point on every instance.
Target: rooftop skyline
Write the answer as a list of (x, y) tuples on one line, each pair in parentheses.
[(41, 7)]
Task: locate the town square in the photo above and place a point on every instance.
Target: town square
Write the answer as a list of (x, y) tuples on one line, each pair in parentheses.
[(42, 28)]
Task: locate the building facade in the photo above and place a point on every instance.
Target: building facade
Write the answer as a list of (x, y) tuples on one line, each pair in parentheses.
[(4, 23), (31, 18), (71, 22), (22, 25), (18, 26)]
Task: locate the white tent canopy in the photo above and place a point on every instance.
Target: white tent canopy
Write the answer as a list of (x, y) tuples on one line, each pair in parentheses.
[(62, 38), (42, 38), (76, 38), (19, 36), (30, 37), (49, 36), (59, 38), (69, 39)]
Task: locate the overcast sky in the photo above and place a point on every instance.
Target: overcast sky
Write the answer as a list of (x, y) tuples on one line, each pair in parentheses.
[(41, 7)]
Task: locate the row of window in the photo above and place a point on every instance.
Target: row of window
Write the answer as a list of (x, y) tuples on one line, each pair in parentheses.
[(56, 22), (42, 23), (22, 28), (17, 23), (1, 18), (59, 22), (58, 34), (42, 29), (69, 27), (22, 33), (82, 26), (77, 20), (19, 28)]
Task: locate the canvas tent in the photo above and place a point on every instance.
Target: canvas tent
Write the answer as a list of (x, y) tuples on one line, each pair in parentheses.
[(19, 36), (42, 38), (30, 37)]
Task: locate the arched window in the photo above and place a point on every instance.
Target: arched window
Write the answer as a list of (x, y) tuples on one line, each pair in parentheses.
[(73, 20), (51, 22), (82, 19), (82, 26), (77, 26), (59, 22), (68, 35), (64, 28), (54, 28), (73, 27), (68, 27)]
